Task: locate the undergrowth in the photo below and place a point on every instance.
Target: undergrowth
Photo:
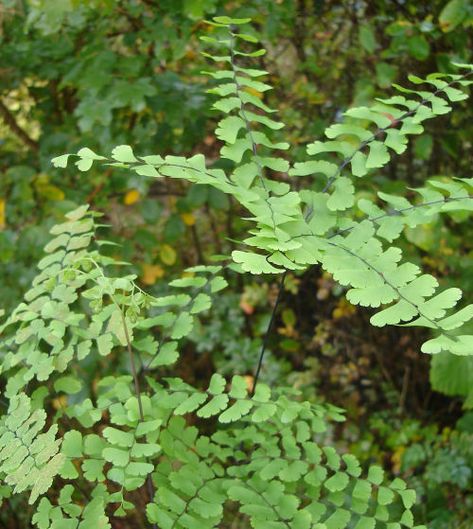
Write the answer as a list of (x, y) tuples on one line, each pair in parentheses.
[(161, 452)]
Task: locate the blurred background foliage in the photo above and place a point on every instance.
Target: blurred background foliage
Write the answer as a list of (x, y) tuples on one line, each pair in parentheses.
[(104, 72)]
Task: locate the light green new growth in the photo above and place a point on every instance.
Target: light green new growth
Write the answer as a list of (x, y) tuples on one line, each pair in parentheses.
[(261, 453)]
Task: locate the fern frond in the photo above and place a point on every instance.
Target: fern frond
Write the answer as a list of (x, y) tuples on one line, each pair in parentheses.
[(69, 513), (46, 320), (438, 197), (278, 474), (293, 230), (124, 448), (364, 148), (263, 451), (375, 277)]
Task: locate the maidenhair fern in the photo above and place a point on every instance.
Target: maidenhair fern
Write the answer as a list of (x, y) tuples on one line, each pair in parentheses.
[(293, 230), (126, 446)]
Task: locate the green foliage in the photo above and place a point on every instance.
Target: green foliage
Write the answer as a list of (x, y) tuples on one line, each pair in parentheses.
[(453, 376), (270, 448), (436, 461), (149, 93), (254, 448)]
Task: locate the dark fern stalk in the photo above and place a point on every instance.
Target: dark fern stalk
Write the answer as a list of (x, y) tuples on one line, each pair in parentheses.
[(267, 333), (233, 31)]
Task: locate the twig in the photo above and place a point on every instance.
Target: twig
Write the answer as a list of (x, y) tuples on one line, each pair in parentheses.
[(405, 383), (198, 246), (10, 122)]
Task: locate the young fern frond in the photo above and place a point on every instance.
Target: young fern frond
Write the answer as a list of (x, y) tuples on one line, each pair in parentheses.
[(240, 100), (439, 196)]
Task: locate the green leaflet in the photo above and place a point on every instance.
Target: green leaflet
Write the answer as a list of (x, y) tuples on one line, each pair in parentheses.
[(254, 263), (236, 411), (229, 128), (29, 459), (453, 375), (69, 514), (343, 196)]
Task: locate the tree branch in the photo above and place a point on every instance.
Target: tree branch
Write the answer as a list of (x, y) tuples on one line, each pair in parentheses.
[(10, 122)]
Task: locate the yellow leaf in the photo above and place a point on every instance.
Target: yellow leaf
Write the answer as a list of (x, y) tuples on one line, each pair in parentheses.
[(396, 458), (167, 254), (60, 403), (253, 92), (131, 197), (250, 381), (51, 192), (2, 214), (54, 193), (151, 273), (47, 190), (188, 219), (343, 309)]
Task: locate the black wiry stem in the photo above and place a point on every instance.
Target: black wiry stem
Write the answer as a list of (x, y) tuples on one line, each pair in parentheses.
[(268, 332)]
